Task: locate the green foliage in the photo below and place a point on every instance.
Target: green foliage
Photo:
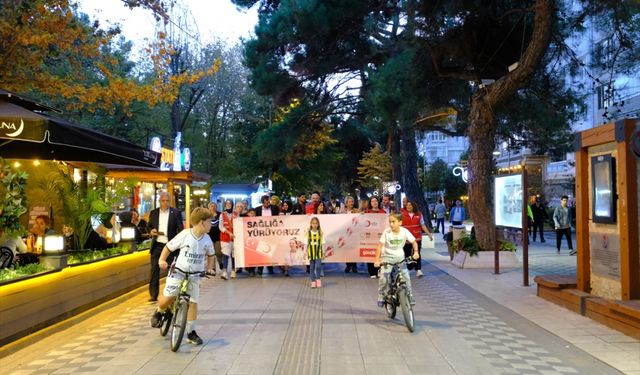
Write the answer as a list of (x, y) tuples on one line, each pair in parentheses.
[(505, 245), (78, 203), (14, 200), (26, 270), (76, 257), (439, 177), (468, 244)]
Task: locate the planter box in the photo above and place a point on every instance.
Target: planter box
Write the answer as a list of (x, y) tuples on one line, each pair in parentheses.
[(485, 259), (32, 304)]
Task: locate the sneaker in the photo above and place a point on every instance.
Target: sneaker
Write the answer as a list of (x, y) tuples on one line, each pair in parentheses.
[(168, 315), (225, 276), (319, 283), (313, 284), (156, 319), (193, 338), (233, 274), (543, 241), (373, 277), (572, 252), (419, 273), (211, 272), (380, 304)]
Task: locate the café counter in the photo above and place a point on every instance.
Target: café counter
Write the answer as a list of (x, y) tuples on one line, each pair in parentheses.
[(34, 303)]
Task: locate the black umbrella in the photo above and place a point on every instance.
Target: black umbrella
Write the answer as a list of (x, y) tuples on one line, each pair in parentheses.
[(25, 134)]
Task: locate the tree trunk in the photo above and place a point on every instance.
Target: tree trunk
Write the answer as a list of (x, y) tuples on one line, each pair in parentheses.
[(481, 134), (393, 144), (410, 184), (482, 128)]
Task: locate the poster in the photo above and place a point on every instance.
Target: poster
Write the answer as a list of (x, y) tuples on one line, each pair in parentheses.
[(508, 201), (280, 240)]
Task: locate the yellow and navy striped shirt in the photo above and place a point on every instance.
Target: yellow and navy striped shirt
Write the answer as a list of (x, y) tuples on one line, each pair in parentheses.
[(314, 245)]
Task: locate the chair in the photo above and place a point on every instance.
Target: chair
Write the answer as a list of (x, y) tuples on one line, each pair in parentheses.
[(6, 257)]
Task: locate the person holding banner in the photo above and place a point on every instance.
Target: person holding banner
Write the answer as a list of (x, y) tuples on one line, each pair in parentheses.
[(413, 220), (374, 208), (225, 224), (266, 209), (315, 245), (349, 208)]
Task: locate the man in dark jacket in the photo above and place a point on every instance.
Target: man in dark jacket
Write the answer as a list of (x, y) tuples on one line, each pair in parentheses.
[(539, 216), (266, 209), (164, 223)]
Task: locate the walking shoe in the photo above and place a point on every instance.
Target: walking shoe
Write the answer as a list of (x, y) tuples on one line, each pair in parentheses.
[(381, 304), (193, 338), (211, 272), (543, 241), (168, 315), (572, 252), (233, 274), (156, 319), (225, 276), (419, 273), (313, 284), (373, 277), (319, 283)]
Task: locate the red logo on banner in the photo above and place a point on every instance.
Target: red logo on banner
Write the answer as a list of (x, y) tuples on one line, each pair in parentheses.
[(368, 252)]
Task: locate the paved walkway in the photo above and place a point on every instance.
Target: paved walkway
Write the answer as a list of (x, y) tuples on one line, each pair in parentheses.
[(468, 322)]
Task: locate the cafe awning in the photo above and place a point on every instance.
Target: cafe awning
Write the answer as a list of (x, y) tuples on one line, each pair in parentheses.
[(25, 134)]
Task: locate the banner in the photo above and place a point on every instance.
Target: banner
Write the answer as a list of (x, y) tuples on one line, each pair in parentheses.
[(282, 240)]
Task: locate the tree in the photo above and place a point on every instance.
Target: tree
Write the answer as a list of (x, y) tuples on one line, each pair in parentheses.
[(439, 177), (47, 48), (375, 168)]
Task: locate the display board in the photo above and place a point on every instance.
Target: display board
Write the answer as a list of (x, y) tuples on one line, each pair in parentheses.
[(508, 203)]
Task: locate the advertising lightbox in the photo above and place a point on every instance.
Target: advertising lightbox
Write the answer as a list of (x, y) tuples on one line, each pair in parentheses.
[(508, 201)]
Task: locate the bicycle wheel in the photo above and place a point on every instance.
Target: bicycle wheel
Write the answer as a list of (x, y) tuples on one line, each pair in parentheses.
[(407, 311), (166, 322), (179, 323), (390, 308)]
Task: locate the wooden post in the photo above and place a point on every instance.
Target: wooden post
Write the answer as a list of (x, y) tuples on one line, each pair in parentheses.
[(583, 261), (525, 228), (627, 208)]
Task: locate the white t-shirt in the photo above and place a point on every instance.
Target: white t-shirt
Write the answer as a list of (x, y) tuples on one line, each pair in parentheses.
[(193, 250), (392, 244)]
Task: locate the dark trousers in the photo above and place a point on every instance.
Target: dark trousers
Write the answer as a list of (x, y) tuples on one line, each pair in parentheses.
[(373, 271), (538, 227), (438, 223), (560, 233), (154, 278), (408, 251), (353, 267)]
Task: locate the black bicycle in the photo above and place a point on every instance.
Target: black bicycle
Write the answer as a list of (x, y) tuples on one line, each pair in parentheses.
[(175, 319), (398, 294)]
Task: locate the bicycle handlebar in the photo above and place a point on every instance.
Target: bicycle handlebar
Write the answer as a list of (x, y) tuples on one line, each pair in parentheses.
[(199, 273), (408, 260)]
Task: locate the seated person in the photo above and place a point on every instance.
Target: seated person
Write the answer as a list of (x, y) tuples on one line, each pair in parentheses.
[(13, 243), (139, 222), (126, 218), (39, 230), (107, 227)]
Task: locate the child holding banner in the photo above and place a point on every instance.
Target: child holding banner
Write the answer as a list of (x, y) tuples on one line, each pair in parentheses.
[(315, 244)]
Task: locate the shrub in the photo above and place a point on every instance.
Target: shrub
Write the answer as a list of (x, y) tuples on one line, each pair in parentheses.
[(468, 244), (504, 245), (21, 271)]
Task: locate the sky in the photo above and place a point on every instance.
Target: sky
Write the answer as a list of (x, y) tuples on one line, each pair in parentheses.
[(213, 18)]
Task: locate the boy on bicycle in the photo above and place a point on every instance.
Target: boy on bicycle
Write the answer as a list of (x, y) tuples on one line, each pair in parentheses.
[(194, 244), (391, 247)]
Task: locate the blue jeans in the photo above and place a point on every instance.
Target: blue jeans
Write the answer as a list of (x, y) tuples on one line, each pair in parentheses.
[(315, 267)]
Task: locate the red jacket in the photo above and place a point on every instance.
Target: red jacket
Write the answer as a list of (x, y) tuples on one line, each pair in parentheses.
[(412, 224), (228, 225)]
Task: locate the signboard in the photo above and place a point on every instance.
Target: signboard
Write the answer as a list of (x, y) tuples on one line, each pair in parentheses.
[(605, 255), (266, 241), (508, 201)]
